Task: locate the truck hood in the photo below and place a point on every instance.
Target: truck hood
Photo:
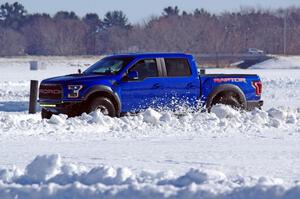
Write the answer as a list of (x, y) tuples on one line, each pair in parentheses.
[(77, 79)]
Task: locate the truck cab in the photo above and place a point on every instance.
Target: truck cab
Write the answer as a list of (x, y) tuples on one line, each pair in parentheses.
[(120, 84)]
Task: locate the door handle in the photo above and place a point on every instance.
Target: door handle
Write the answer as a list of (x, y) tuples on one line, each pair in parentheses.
[(190, 85), (156, 86)]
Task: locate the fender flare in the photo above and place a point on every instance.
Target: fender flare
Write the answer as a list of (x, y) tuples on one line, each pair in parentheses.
[(228, 88), (106, 89)]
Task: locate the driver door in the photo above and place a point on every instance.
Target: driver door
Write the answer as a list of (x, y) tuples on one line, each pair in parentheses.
[(145, 91)]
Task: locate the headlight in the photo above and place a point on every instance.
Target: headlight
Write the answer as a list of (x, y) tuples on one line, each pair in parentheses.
[(74, 91)]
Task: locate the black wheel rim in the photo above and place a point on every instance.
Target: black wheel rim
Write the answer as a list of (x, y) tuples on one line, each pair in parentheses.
[(103, 110)]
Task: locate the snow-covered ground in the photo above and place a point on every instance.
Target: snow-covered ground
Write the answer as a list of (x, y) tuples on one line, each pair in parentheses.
[(226, 154)]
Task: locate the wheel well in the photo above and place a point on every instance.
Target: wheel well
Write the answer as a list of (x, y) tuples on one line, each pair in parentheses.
[(104, 94)]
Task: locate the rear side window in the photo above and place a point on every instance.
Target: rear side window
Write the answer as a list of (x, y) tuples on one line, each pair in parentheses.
[(146, 68), (178, 67)]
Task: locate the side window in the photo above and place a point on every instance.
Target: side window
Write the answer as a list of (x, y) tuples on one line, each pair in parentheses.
[(146, 68), (178, 67)]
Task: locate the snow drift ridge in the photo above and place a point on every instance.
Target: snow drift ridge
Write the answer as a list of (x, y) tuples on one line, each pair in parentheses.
[(154, 124), (48, 177)]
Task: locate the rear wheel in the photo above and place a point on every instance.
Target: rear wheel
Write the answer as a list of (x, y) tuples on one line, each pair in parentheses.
[(102, 104), (46, 114), (229, 99)]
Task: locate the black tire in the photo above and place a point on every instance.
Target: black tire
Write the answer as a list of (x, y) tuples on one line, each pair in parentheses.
[(229, 99), (46, 114), (103, 104)]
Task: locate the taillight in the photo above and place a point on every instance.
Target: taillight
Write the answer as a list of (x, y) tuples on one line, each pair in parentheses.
[(258, 87)]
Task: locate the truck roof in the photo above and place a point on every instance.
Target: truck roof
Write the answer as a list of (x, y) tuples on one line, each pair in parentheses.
[(154, 54)]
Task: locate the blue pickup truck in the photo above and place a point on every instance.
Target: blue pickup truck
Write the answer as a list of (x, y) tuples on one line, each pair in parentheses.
[(130, 83)]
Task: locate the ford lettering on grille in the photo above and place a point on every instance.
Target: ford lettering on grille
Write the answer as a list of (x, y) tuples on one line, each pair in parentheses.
[(50, 92)]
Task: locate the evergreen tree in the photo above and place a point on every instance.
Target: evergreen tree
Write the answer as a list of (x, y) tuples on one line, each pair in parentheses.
[(12, 15), (93, 21), (65, 15), (115, 18), (170, 11)]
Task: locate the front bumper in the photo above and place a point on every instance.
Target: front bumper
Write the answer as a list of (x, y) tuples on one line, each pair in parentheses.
[(68, 107), (254, 104)]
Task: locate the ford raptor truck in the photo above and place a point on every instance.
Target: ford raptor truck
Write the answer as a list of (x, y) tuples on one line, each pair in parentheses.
[(130, 83)]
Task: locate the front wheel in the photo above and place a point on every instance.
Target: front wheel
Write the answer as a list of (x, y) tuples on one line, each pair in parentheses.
[(102, 104), (46, 114)]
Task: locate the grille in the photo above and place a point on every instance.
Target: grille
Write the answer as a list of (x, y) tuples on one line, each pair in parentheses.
[(48, 91)]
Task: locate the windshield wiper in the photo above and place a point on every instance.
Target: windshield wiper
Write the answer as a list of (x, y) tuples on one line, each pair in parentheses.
[(103, 73)]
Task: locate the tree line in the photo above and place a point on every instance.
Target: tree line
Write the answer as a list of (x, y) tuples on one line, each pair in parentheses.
[(199, 31)]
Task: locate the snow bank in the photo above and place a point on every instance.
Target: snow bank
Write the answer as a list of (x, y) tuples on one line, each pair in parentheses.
[(48, 177), (42, 168), (14, 91), (221, 121), (280, 62), (151, 116)]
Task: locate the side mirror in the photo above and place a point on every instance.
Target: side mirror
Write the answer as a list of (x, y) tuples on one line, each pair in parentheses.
[(133, 75)]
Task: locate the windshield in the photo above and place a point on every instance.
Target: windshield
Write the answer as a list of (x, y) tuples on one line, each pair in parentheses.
[(109, 66)]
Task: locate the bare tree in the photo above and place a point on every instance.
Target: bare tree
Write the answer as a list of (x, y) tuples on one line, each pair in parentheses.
[(11, 42), (274, 31)]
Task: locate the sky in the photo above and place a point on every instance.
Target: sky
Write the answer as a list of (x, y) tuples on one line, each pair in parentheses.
[(139, 10)]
